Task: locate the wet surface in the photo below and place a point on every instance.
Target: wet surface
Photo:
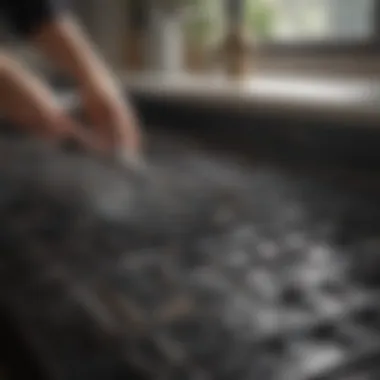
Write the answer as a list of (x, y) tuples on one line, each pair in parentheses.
[(199, 267)]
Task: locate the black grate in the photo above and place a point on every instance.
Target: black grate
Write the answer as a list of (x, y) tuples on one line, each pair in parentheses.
[(201, 269)]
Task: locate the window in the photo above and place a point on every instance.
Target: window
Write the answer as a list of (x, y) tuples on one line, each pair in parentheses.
[(296, 22), (311, 20)]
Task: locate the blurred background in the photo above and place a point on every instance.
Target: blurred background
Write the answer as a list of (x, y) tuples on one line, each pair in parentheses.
[(204, 35), (208, 36)]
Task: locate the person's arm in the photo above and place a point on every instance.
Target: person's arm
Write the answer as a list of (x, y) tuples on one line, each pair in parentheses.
[(49, 24), (64, 42), (26, 101), (24, 98)]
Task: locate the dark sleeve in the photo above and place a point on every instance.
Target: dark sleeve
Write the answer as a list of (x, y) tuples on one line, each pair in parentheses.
[(26, 16)]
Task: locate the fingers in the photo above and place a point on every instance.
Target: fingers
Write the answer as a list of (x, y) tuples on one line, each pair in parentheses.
[(117, 129), (72, 130), (126, 131), (27, 102)]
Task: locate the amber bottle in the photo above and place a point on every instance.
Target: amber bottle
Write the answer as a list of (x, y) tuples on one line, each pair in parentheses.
[(237, 49), (237, 52)]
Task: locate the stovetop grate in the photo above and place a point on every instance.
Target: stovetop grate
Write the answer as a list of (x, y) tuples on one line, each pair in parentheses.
[(206, 270)]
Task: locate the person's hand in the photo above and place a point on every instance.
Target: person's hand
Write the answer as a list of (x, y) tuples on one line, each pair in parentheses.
[(111, 117), (108, 113), (28, 103)]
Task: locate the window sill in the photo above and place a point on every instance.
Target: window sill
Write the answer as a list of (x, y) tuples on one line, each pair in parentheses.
[(342, 100), (339, 65)]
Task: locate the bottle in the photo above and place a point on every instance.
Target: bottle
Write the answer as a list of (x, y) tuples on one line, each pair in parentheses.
[(237, 53), (136, 37), (237, 49)]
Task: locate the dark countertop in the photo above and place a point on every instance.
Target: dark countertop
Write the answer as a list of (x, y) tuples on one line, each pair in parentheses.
[(325, 98)]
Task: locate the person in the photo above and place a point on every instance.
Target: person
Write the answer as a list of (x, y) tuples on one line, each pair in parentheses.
[(27, 101)]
